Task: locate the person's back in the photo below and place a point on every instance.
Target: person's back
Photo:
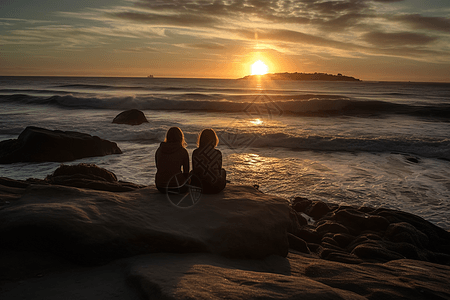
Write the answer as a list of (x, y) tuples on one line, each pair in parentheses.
[(207, 163), (172, 159), (169, 159)]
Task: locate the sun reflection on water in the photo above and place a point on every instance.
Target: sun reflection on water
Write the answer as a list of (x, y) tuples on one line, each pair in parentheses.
[(257, 121)]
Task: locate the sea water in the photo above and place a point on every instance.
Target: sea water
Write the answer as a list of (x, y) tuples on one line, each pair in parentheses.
[(379, 144)]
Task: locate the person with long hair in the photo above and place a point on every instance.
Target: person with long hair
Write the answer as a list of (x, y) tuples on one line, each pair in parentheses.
[(172, 161), (207, 163)]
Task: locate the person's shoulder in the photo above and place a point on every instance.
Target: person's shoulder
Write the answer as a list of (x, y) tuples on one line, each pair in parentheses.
[(184, 151)]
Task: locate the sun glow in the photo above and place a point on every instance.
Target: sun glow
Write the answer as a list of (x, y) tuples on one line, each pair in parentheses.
[(259, 68), (256, 122)]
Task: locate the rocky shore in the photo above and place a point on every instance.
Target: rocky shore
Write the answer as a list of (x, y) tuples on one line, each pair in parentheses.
[(81, 234)]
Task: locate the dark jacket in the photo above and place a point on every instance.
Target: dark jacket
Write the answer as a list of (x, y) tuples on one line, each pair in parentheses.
[(169, 158), (207, 168)]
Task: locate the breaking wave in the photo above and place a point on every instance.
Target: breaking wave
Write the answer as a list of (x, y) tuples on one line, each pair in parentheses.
[(306, 105)]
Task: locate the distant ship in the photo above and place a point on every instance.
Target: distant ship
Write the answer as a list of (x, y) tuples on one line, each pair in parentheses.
[(150, 76)]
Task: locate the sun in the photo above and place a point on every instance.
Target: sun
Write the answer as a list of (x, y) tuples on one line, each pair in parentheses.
[(259, 68)]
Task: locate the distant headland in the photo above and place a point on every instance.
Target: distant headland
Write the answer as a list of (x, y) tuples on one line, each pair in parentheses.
[(302, 76)]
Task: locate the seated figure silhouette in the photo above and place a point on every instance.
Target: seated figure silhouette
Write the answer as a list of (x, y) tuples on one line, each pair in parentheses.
[(207, 164), (172, 162)]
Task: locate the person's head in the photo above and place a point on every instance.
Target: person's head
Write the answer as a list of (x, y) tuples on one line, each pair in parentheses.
[(175, 135), (207, 137)]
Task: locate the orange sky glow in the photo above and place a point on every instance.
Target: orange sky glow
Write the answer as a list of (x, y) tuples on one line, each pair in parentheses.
[(404, 40)]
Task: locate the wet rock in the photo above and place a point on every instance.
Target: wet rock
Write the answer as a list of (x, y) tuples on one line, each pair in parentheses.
[(352, 219), (300, 204), (318, 210), (375, 235), (89, 176), (297, 221), (36, 144), (298, 244), (331, 227), (130, 117), (405, 232), (87, 170), (376, 223)]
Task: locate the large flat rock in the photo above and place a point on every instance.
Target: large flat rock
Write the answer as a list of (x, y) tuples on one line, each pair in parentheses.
[(89, 227), (209, 276)]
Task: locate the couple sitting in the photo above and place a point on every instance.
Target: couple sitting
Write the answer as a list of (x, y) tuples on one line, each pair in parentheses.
[(172, 156)]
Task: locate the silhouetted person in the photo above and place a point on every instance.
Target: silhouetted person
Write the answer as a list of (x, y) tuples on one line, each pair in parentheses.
[(172, 162), (207, 163)]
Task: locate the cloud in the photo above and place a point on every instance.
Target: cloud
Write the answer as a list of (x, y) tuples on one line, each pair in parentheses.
[(183, 20), (206, 46), (387, 1), (385, 39), (350, 28), (138, 50), (11, 21), (417, 21), (291, 36)]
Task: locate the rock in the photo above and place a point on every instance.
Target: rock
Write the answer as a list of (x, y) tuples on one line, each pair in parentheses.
[(372, 234), (300, 204), (412, 159), (309, 235), (332, 227), (89, 227), (405, 232), (208, 276), (343, 239), (86, 170), (438, 237), (36, 144), (130, 117), (372, 251), (344, 258), (89, 176), (376, 223), (298, 244), (297, 221), (318, 210)]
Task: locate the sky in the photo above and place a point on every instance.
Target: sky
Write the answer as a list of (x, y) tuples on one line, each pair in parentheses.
[(393, 40)]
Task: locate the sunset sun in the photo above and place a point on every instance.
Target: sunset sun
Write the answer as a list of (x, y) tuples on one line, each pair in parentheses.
[(259, 68)]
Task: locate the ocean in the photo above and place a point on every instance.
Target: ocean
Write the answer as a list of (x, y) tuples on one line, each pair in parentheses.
[(378, 144)]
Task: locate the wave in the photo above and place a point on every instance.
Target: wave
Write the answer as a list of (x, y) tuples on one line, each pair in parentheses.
[(239, 141), (425, 148), (252, 105), (34, 91), (187, 89)]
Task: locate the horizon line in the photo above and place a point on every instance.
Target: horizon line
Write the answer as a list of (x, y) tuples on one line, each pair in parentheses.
[(215, 78)]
